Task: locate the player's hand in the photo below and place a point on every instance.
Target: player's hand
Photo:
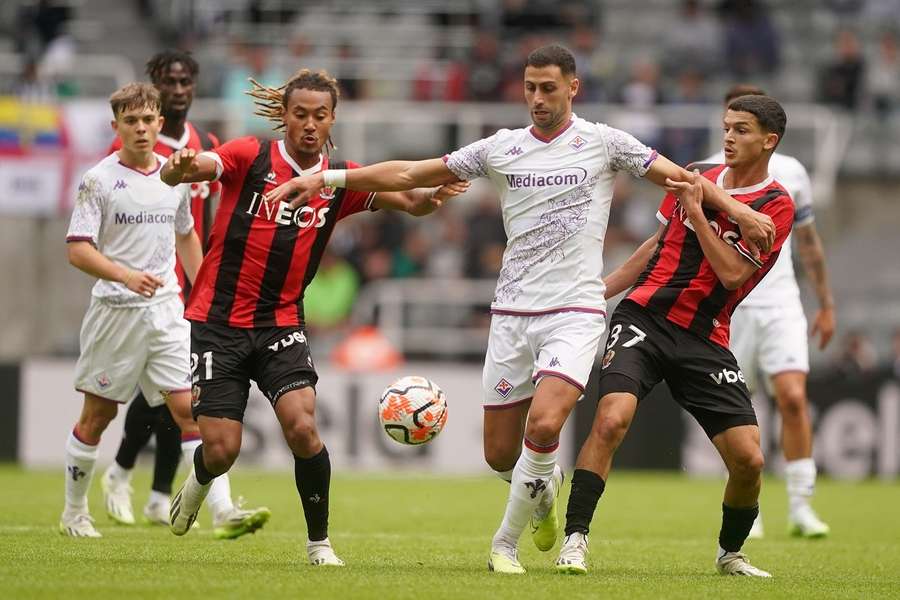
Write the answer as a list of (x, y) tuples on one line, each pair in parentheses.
[(183, 162), (142, 283), (689, 193), (297, 191), (824, 325), (757, 231), (436, 199)]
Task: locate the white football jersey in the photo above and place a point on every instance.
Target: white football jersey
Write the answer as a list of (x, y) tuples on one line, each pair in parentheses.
[(131, 218), (555, 196), (780, 283)]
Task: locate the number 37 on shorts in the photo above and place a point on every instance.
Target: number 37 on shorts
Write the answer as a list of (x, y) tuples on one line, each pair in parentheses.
[(629, 335)]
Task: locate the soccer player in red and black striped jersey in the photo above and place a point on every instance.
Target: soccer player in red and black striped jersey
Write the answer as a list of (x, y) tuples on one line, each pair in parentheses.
[(174, 73), (246, 310), (673, 325)]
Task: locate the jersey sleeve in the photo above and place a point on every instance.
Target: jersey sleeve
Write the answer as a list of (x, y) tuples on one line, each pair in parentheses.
[(666, 209), (781, 211), (184, 219), (802, 197), (233, 158), (355, 201), (471, 162), (87, 217), (626, 153)]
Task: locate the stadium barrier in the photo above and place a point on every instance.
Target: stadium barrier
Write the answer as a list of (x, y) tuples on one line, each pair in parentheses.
[(856, 422)]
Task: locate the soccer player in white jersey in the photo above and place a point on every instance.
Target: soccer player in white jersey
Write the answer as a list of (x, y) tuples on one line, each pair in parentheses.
[(125, 230), (555, 181), (769, 334)]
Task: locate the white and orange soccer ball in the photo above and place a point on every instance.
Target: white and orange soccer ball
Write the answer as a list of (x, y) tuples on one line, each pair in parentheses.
[(412, 410)]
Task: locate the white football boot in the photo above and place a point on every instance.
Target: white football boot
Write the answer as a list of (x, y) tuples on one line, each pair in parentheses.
[(736, 563), (804, 522), (78, 525), (117, 497), (321, 554), (505, 559), (573, 555), (157, 512)]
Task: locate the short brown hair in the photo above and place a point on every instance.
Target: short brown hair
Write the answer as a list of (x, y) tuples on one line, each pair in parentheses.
[(742, 89), (134, 95)]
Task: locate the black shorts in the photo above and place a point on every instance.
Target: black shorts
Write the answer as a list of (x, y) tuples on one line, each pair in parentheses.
[(225, 359), (644, 348)]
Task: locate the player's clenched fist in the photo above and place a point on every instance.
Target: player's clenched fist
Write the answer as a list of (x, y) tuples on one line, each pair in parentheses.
[(183, 162), (142, 283)]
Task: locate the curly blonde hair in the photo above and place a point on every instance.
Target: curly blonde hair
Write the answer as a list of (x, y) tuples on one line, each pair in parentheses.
[(271, 102)]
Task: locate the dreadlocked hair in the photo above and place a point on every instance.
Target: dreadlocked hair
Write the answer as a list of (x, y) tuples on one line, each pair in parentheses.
[(161, 62), (271, 102)]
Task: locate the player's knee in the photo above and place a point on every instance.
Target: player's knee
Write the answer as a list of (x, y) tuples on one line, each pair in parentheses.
[(218, 456), (301, 434), (543, 429), (611, 428), (792, 404), (93, 423), (748, 466), (501, 457)]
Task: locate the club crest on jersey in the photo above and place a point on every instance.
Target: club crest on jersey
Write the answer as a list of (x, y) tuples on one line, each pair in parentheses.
[(103, 381), (578, 143), (195, 396), (270, 178), (328, 192), (503, 387)]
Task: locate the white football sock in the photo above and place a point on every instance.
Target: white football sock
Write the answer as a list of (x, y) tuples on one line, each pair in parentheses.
[(531, 476), (505, 475), (80, 459), (192, 494), (119, 473), (801, 482), (158, 498), (218, 499)]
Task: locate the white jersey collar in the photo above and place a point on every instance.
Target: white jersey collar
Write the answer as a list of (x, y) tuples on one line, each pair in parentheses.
[(172, 142), (287, 158), (720, 181)]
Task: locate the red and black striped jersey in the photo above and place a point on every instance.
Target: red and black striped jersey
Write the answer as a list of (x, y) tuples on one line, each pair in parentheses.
[(203, 194), (262, 256), (679, 282)]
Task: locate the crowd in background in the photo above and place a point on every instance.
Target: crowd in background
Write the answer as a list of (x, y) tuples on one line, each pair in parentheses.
[(708, 41)]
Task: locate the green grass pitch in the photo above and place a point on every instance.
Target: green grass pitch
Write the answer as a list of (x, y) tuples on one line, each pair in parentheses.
[(427, 537)]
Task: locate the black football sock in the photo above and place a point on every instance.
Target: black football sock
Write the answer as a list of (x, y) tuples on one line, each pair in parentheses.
[(736, 524), (168, 452), (313, 478), (139, 422), (200, 471), (587, 487)]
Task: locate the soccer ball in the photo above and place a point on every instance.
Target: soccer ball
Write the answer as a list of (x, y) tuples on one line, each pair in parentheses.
[(412, 410)]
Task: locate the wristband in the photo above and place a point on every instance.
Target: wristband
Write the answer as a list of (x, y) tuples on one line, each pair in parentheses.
[(335, 178)]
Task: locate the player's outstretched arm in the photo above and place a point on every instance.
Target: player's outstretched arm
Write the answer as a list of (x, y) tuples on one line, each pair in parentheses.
[(812, 256), (187, 166), (757, 229), (85, 257), (628, 272), (729, 265), (189, 250), (420, 201), (390, 176)]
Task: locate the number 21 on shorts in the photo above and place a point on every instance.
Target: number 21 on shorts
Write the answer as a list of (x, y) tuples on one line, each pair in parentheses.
[(207, 366)]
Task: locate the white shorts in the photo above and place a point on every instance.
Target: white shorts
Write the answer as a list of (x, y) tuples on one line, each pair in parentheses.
[(522, 350), (125, 349), (770, 339)]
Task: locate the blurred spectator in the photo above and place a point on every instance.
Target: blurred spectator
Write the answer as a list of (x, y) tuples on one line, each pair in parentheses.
[(594, 67), (446, 259), (434, 82), (41, 26), (687, 144), (856, 355), (883, 76), (895, 352), (328, 300), (530, 15), (486, 239), (751, 41), (249, 60), (410, 258), (641, 94), (693, 41), (841, 79), (351, 87), (486, 76)]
